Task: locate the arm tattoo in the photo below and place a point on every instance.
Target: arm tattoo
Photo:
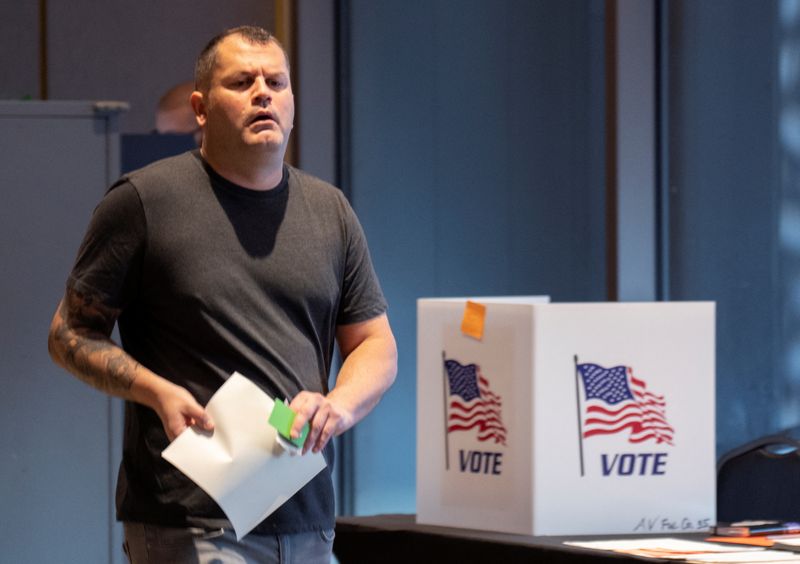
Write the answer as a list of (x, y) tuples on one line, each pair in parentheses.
[(80, 341)]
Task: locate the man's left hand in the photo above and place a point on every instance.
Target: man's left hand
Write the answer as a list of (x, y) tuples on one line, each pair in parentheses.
[(326, 419)]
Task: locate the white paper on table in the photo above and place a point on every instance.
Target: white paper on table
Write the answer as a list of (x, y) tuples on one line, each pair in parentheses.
[(666, 543), (240, 464), (671, 548), (747, 557)]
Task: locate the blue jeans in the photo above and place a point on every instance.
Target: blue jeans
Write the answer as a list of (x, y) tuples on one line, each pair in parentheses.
[(153, 544)]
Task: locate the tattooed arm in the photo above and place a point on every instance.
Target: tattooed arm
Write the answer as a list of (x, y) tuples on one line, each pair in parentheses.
[(80, 341)]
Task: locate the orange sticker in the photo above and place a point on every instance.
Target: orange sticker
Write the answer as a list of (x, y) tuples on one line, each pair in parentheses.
[(474, 318)]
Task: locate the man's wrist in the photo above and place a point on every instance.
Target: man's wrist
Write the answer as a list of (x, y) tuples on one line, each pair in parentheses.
[(149, 389)]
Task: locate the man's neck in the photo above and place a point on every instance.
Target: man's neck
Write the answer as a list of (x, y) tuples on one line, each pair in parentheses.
[(262, 171)]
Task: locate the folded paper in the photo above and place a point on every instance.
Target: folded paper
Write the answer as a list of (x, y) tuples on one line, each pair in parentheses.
[(241, 464)]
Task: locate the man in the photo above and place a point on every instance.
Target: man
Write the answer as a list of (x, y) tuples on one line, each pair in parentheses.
[(217, 261)]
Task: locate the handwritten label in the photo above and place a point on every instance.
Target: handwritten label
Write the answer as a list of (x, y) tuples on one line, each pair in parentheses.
[(670, 525)]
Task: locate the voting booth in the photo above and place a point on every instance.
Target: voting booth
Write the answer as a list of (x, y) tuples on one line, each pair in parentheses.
[(565, 419)]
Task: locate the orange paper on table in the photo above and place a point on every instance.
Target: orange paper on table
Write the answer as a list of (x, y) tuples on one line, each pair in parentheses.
[(750, 541), (473, 320)]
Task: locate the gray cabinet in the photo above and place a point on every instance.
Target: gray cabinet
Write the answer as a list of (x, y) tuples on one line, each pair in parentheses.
[(59, 439)]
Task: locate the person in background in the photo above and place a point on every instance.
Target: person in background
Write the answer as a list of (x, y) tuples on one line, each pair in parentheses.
[(174, 113), (219, 260)]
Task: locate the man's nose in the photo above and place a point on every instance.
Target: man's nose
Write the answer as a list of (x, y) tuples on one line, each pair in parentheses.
[(261, 93)]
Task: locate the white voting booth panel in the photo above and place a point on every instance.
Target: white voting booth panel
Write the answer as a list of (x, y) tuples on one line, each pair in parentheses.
[(567, 419)]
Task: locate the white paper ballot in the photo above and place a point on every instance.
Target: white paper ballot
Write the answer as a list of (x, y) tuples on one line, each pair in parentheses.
[(240, 464)]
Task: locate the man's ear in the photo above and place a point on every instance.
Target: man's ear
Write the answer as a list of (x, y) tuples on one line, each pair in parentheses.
[(199, 107)]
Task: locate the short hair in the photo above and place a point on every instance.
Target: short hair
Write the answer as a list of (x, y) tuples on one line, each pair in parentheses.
[(204, 66)]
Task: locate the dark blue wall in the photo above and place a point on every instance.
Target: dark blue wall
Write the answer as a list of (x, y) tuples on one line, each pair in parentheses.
[(477, 169), (731, 189)]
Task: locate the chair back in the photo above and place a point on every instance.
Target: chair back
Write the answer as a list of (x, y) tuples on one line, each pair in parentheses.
[(760, 480)]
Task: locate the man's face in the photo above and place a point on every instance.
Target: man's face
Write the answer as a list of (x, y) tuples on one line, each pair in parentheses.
[(249, 102)]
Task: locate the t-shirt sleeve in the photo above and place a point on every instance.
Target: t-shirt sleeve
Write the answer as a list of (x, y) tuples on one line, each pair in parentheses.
[(362, 297), (109, 258)]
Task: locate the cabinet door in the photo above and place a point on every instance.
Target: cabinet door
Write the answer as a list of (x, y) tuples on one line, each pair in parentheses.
[(59, 438)]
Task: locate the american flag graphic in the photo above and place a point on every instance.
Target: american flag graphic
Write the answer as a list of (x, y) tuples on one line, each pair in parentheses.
[(617, 402), (472, 404)]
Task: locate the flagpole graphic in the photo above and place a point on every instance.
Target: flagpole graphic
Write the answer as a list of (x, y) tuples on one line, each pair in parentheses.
[(446, 431), (578, 404)]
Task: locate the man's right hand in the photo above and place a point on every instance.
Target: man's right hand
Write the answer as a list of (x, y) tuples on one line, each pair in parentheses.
[(178, 410)]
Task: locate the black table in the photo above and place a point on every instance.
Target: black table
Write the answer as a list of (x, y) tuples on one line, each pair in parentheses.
[(398, 538)]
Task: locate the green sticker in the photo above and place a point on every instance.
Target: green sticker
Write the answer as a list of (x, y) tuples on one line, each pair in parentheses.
[(282, 418)]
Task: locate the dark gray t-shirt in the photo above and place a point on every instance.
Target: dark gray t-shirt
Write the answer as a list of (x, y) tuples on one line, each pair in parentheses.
[(214, 278)]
